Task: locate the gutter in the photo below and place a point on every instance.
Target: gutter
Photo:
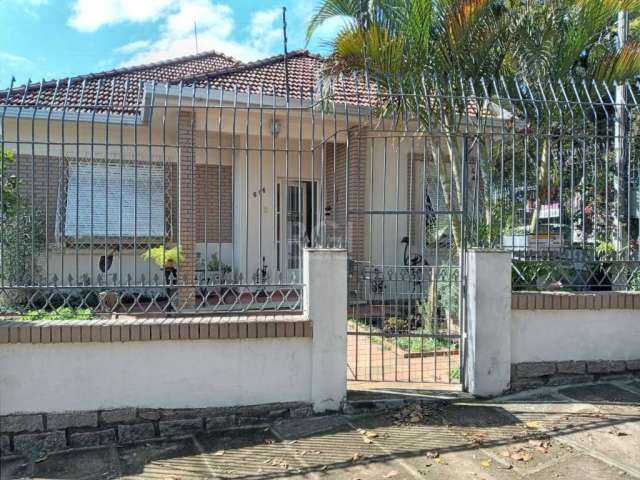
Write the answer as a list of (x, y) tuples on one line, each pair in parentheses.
[(226, 98)]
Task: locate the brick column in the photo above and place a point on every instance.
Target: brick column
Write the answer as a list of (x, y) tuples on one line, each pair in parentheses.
[(186, 211)]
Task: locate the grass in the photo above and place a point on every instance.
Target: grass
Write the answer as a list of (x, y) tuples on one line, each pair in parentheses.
[(404, 341), (61, 313), (424, 344)]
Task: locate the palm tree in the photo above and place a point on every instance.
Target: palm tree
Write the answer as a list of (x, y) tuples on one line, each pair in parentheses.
[(440, 44), (395, 42)]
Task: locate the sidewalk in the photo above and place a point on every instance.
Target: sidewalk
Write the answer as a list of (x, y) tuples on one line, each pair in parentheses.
[(577, 432)]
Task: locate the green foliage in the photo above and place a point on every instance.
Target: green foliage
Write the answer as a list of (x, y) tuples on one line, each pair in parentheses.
[(396, 325), (8, 183), (633, 283), (163, 257), (424, 344), (215, 265), (455, 373), (446, 292), (605, 249), (61, 313), (22, 227)]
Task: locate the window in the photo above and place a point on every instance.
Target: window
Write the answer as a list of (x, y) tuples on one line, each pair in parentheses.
[(127, 200)]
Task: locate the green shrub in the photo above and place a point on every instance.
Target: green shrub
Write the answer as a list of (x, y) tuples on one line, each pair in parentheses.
[(215, 265), (61, 313), (22, 227)]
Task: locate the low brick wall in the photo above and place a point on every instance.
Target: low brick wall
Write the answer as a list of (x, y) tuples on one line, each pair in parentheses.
[(155, 329), (33, 435), (575, 301), (539, 374)]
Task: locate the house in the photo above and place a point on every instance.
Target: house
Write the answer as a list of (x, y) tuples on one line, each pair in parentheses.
[(240, 164)]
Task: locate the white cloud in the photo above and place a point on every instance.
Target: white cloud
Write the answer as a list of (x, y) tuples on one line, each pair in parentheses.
[(133, 47), (90, 15), (216, 29), (265, 27), (14, 61)]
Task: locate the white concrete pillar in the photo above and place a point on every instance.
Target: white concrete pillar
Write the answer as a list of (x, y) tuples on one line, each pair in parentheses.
[(325, 304), (488, 321)]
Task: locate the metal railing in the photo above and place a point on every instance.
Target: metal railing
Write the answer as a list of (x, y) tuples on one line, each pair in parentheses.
[(155, 198)]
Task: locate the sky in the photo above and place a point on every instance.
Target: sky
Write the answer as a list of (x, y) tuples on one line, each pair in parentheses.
[(54, 39)]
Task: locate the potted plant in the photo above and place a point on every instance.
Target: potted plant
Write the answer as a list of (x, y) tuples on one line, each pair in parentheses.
[(167, 259), (218, 268), (219, 271)]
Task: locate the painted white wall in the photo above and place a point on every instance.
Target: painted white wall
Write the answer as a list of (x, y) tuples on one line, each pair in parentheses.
[(254, 227), (488, 304), (498, 336), (325, 298), (167, 374), (68, 262), (556, 335), (192, 374)]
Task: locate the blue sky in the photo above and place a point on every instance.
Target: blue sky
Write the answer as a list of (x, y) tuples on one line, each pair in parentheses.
[(59, 38)]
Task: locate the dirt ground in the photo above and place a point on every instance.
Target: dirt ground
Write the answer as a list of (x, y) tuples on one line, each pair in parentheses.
[(578, 432)]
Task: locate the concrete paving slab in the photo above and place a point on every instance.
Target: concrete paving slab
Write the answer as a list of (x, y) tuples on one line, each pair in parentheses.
[(99, 462), (476, 415), (580, 467), (294, 428), (411, 440), (527, 456), (616, 441), (16, 467), (163, 459), (601, 393)]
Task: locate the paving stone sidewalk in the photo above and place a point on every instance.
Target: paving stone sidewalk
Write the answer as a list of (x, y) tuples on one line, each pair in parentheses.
[(577, 432)]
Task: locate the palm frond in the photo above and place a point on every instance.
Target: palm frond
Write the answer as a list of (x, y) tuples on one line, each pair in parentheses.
[(358, 10), (619, 66)]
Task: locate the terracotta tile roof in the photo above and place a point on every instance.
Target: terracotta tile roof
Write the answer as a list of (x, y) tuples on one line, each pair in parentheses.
[(124, 83), (268, 75), (207, 69)]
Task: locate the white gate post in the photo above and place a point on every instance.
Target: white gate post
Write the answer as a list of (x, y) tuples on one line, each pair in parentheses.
[(488, 317), (325, 304)]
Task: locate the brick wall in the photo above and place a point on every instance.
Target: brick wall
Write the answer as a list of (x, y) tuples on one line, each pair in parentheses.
[(35, 435), (186, 210), (538, 374)]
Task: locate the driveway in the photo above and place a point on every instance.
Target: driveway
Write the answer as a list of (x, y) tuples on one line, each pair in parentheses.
[(577, 432)]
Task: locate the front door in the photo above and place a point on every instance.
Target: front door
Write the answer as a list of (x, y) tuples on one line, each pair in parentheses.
[(296, 219)]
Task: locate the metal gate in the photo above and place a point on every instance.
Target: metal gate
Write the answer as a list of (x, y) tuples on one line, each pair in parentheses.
[(405, 234)]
